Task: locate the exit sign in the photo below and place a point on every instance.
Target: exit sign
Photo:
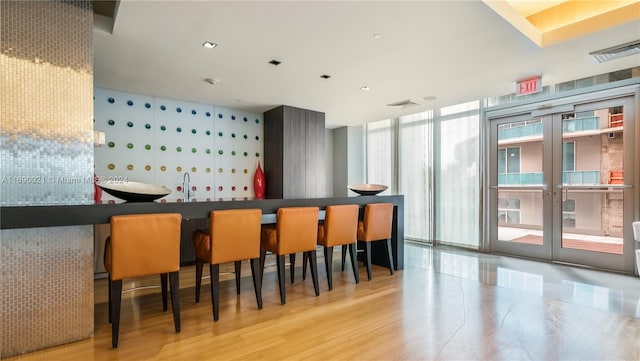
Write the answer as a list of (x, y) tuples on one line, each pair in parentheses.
[(529, 86)]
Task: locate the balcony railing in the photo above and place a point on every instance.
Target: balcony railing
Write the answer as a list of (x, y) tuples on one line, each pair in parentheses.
[(580, 124), (568, 177), (529, 130), (535, 129)]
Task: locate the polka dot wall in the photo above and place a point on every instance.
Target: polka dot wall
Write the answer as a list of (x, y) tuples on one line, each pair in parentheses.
[(156, 140)]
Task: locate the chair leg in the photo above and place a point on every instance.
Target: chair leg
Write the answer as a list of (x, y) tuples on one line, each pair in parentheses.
[(367, 246), (109, 274), (313, 262), (328, 263), (238, 266), (163, 287), (116, 297), (354, 261), (344, 256), (280, 259), (257, 284), (174, 283), (390, 255), (199, 265), (292, 262), (263, 256), (214, 271), (305, 258)]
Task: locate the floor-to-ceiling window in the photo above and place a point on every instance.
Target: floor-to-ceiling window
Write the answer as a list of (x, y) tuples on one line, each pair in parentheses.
[(457, 175)]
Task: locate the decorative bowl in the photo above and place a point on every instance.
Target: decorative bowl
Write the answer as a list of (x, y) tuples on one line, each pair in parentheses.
[(367, 189), (135, 191)]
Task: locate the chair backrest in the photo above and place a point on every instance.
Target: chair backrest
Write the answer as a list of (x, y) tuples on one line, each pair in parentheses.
[(297, 229), (340, 225), (376, 225), (234, 235), (144, 244)]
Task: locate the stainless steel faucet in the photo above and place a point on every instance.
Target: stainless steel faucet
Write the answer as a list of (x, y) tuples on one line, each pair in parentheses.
[(186, 188)]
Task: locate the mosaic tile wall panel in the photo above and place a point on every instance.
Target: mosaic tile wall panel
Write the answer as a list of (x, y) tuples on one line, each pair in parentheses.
[(158, 140), (47, 294), (46, 147), (46, 157)]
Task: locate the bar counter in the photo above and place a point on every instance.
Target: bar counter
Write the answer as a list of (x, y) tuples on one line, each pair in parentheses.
[(15, 217)]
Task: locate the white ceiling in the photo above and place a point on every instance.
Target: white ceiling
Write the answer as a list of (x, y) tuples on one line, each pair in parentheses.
[(456, 51)]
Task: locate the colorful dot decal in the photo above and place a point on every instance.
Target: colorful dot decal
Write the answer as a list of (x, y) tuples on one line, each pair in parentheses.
[(245, 136), (208, 170), (163, 148), (208, 151), (208, 132), (193, 131), (233, 170), (194, 169), (179, 149), (245, 154), (208, 114), (147, 147), (233, 188), (220, 134), (111, 122), (130, 124), (147, 105), (130, 166), (147, 167), (233, 135), (220, 115), (245, 119), (163, 168), (178, 129), (111, 144), (163, 108), (246, 171), (130, 145), (233, 152), (220, 152), (111, 166), (148, 126), (193, 111), (220, 188), (179, 110), (111, 100), (193, 150), (220, 170), (163, 128), (129, 103), (257, 154), (233, 117), (179, 169), (257, 137), (257, 121)]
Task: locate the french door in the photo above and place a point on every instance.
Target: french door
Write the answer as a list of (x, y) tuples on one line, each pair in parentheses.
[(561, 182)]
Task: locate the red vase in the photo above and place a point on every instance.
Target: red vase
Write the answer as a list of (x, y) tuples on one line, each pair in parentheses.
[(97, 191), (258, 183)]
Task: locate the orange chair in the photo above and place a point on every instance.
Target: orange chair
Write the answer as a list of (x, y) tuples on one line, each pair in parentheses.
[(233, 236), (376, 226), (340, 228), (296, 230), (143, 245)]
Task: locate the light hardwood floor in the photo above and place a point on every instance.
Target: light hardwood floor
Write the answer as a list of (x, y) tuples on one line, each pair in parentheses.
[(421, 313)]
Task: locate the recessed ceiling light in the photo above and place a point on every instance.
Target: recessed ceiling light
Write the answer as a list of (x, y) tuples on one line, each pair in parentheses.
[(325, 76), (209, 44), (365, 88), (211, 81), (377, 36), (275, 62)]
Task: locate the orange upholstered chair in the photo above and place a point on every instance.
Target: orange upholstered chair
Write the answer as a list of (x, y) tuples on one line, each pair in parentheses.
[(296, 230), (376, 226), (233, 236), (340, 228), (143, 245)]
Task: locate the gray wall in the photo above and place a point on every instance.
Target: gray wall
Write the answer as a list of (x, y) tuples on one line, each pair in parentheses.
[(348, 159)]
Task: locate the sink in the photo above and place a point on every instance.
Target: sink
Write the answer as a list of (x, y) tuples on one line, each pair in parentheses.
[(367, 189), (135, 191)]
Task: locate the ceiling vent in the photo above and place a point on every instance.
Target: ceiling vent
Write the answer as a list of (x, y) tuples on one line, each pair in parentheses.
[(616, 52), (404, 104)]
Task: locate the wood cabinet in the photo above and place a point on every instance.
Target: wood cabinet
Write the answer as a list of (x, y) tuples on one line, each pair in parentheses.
[(294, 156)]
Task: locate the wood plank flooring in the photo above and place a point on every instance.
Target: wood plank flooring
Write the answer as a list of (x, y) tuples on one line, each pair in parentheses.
[(417, 314)]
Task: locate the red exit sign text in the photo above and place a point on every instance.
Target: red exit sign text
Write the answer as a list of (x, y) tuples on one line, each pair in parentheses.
[(529, 86)]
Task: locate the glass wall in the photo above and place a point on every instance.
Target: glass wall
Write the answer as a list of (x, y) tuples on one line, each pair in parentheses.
[(457, 175)]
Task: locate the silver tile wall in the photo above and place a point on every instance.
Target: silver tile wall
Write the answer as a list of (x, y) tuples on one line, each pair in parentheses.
[(46, 157)]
